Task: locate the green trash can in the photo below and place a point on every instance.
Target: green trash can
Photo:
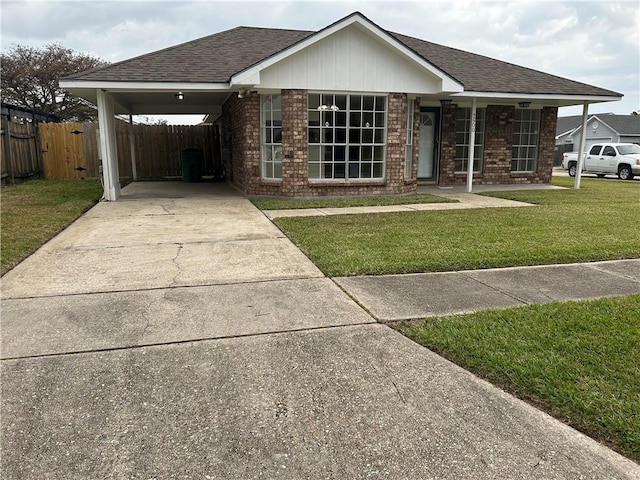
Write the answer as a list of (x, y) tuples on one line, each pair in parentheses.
[(192, 160)]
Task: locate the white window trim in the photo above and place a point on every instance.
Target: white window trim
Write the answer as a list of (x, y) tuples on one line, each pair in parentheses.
[(408, 160), (264, 145), (348, 94), (478, 162), (537, 144)]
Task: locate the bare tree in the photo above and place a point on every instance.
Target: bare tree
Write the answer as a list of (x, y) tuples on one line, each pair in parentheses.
[(29, 77)]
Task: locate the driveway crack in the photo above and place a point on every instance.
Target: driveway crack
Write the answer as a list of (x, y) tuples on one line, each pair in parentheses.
[(177, 264)]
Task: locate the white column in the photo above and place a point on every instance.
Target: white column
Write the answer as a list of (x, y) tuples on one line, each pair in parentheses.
[(132, 148), (583, 141), (108, 150), (472, 145)]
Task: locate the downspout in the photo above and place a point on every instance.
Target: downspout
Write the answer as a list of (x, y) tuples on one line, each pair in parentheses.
[(472, 145), (583, 142)]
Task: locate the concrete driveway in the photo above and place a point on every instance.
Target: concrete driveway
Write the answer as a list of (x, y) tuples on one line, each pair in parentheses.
[(178, 334)]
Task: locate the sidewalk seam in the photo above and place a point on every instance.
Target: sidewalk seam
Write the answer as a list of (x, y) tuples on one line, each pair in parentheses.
[(514, 297)]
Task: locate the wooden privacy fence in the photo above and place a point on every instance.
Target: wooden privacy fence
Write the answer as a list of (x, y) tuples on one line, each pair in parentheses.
[(70, 150), (19, 150)]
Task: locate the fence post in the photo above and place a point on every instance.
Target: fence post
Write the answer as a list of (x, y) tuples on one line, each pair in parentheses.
[(39, 161), (132, 147), (8, 153)]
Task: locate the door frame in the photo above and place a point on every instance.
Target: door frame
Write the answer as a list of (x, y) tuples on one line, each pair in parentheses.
[(436, 144)]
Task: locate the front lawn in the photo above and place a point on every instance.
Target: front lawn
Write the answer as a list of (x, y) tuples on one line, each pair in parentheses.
[(368, 201), (577, 360), (598, 222), (34, 211)]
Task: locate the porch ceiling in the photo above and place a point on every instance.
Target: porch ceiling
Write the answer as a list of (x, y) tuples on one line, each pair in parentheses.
[(158, 102)]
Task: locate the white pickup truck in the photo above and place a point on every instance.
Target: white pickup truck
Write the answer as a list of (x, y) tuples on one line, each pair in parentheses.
[(622, 159)]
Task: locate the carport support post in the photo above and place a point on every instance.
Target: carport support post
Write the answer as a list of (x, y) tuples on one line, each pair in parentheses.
[(583, 141), (472, 145), (132, 147), (108, 150)]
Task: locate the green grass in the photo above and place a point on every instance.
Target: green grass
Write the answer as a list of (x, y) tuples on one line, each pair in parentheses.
[(576, 360), (289, 203), (34, 211), (598, 222)]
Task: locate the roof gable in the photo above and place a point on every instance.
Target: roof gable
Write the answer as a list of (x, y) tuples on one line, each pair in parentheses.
[(381, 46)]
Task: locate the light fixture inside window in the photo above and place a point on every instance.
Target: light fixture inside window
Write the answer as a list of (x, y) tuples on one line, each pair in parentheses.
[(322, 108), (335, 108), (179, 96), (524, 104)]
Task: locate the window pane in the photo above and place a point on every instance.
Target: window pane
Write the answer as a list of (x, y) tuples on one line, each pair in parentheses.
[(367, 103), (339, 170), (354, 135), (341, 119), (378, 154), (341, 135), (314, 101), (314, 170), (379, 135), (277, 135), (380, 104), (355, 102), (314, 118), (367, 154), (367, 119), (354, 170), (379, 118), (367, 136), (365, 170), (341, 102), (354, 119), (377, 170)]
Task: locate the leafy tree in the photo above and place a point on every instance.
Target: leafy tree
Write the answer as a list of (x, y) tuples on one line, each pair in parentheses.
[(29, 77)]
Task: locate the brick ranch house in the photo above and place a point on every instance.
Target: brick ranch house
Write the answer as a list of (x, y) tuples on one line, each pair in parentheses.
[(349, 109)]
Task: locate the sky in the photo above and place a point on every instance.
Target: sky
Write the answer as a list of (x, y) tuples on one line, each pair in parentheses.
[(595, 42)]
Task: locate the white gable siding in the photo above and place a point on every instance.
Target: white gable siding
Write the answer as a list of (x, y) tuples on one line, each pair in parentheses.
[(350, 60)]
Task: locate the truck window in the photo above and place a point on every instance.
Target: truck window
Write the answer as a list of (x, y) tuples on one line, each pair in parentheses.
[(609, 151), (595, 150)]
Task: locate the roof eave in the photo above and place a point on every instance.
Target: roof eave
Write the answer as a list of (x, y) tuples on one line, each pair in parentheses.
[(127, 86)]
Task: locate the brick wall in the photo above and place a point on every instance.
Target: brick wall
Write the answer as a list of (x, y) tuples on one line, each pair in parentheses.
[(498, 140), (241, 150)]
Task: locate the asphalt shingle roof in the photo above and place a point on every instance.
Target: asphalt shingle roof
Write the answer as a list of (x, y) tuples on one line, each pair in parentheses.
[(216, 58)]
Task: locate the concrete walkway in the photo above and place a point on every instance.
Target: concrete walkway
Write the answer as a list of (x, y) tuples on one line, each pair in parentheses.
[(463, 201), (179, 334)]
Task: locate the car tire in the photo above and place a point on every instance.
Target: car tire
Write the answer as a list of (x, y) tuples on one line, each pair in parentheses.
[(572, 170), (625, 173)]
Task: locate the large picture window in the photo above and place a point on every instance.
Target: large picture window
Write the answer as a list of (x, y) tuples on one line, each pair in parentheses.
[(525, 140), (271, 136), (463, 135), (347, 136)]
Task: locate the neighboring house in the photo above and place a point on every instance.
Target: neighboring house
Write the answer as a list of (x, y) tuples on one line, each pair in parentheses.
[(601, 127), (350, 109)]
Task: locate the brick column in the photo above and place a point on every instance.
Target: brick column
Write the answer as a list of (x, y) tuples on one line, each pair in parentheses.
[(498, 140), (295, 166), (396, 141), (546, 144), (448, 145)]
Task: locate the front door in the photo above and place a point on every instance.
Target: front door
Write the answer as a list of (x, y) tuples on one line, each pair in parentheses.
[(426, 149)]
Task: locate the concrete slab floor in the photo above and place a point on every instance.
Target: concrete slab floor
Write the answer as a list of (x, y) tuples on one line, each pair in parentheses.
[(351, 402)]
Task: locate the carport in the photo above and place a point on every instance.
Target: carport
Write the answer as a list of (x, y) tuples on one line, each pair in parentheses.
[(142, 98)]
